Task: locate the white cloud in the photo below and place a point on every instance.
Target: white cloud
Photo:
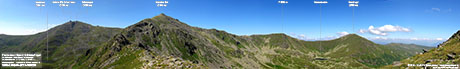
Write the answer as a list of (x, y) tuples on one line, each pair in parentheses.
[(413, 38), (383, 38), (306, 38), (362, 31), (439, 10), (384, 30), (431, 39), (438, 38), (372, 30), (19, 29), (391, 28), (342, 33), (329, 38), (436, 9), (300, 36)]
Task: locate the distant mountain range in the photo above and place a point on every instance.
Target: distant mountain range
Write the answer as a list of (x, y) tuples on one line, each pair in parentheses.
[(430, 43), (446, 53), (165, 42)]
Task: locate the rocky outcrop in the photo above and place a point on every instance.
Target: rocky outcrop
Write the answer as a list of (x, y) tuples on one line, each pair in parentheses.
[(120, 41), (425, 50)]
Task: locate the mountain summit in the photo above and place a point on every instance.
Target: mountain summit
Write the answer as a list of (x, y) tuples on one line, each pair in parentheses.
[(353, 35)]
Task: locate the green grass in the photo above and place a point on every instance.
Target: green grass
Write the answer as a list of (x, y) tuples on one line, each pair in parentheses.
[(128, 60), (275, 66)]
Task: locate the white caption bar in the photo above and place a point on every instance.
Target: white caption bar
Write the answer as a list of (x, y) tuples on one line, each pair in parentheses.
[(353, 3), (87, 3), (283, 2), (40, 3), (320, 2), (63, 3), (161, 3)]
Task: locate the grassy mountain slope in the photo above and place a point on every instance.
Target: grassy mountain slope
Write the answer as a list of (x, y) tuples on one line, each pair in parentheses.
[(65, 42), (445, 53), (165, 42)]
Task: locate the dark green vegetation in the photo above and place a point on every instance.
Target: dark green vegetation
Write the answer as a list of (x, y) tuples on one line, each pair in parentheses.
[(446, 53), (165, 42)]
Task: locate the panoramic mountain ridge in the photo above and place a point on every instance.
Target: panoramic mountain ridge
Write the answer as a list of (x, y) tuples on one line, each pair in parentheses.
[(147, 43), (165, 42)]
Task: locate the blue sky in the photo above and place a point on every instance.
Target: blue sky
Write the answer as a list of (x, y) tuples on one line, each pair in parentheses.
[(424, 20)]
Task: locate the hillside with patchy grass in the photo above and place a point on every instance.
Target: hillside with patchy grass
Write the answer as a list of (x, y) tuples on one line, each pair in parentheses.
[(445, 53), (65, 42)]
